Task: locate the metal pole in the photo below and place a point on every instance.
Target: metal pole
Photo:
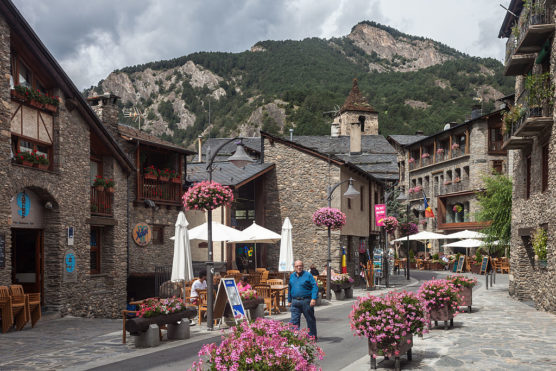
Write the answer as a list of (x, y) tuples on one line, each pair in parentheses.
[(210, 264), (407, 242), (329, 261)]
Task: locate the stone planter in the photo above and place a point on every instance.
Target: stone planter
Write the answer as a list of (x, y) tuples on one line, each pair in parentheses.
[(348, 292), (442, 314), (339, 294), (136, 326), (466, 297), (252, 303), (403, 346)]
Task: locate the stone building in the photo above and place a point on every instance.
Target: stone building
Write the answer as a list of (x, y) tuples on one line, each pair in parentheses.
[(448, 168), (58, 235), (531, 142)]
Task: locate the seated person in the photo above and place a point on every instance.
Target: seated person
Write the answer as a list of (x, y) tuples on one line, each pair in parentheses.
[(314, 271), (200, 284), (242, 285)]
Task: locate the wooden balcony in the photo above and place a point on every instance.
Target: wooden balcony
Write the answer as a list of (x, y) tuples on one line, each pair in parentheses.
[(461, 226), (454, 187), (519, 64), (533, 126), (163, 192), (101, 202), (534, 33), (515, 142)]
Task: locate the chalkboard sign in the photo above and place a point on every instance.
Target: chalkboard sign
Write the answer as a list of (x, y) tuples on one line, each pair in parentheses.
[(484, 265), (460, 263), (2, 251), (455, 268)]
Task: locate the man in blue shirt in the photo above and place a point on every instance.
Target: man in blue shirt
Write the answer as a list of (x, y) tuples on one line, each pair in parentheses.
[(302, 294)]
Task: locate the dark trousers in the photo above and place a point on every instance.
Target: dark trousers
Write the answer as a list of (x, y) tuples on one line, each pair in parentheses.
[(304, 307)]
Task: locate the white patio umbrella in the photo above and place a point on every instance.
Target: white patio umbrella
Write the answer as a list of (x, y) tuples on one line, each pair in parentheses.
[(421, 236), (182, 267), (466, 234), (285, 263), (469, 243), (257, 234), (220, 232)]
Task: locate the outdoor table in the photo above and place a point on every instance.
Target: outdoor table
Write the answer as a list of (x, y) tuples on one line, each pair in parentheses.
[(278, 293)]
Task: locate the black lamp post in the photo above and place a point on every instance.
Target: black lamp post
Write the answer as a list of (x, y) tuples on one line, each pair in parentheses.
[(239, 158), (350, 193), (401, 198)]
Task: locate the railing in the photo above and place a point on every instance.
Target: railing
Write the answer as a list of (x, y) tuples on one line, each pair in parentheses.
[(523, 101), (444, 156), (101, 202), (453, 187), (511, 45), (157, 190), (535, 16)]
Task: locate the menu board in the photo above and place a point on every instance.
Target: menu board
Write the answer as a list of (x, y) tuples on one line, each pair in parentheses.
[(228, 289)]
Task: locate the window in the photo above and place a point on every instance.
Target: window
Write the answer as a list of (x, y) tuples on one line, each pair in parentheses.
[(95, 248), (495, 139), (528, 177), (545, 167), (20, 144), (158, 235), (361, 198)]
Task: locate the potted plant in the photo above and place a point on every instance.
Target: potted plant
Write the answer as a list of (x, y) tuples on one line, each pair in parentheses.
[(411, 160), (539, 240), (339, 282), (465, 286), (457, 208), (329, 217), (541, 92), (441, 300), (43, 162), (94, 208), (390, 224), (150, 172), (207, 196), (159, 311), (109, 185), (512, 117), (26, 158), (261, 345), (164, 175), (174, 177), (99, 183)]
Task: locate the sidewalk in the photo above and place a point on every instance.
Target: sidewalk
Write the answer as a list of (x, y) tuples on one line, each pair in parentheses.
[(500, 334), (80, 343)]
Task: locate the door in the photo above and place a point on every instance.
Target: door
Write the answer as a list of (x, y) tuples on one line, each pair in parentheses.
[(27, 259)]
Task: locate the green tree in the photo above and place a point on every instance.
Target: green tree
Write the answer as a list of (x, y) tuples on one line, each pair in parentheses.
[(495, 206)]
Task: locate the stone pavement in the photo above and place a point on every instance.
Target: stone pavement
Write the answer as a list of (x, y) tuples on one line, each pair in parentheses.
[(81, 343), (500, 334)]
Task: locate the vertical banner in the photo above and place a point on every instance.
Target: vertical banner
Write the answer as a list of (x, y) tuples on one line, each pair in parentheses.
[(380, 214)]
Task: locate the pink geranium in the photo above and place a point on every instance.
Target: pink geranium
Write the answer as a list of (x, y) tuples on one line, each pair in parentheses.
[(207, 196), (329, 217), (439, 294)]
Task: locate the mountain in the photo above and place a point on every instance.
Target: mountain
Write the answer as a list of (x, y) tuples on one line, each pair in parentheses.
[(414, 83)]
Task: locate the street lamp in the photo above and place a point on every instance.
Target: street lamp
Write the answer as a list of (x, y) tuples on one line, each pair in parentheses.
[(239, 158), (350, 194), (401, 198)]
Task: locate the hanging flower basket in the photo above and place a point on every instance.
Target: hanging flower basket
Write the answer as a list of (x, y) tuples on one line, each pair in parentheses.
[(390, 224), (329, 217), (207, 196)]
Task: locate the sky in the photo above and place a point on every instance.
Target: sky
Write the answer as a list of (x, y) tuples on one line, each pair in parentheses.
[(90, 39)]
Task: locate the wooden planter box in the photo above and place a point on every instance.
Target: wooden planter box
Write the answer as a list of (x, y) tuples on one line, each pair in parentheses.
[(403, 346), (136, 326), (176, 180), (475, 268), (442, 314), (163, 178), (436, 266), (466, 297)]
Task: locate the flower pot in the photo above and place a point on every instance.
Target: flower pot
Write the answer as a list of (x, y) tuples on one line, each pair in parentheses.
[(135, 326), (99, 188), (475, 268), (110, 189), (403, 346), (150, 176), (43, 166), (27, 163), (466, 297), (36, 104), (442, 314), (50, 107), (163, 178), (348, 293), (339, 294), (176, 180)]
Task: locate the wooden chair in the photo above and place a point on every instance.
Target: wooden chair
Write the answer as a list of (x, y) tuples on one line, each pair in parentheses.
[(265, 292), (17, 312), (264, 276), (260, 270), (274, 281), (232, 271), (497, 264), (505, 266), (34, 303), (202, 304)]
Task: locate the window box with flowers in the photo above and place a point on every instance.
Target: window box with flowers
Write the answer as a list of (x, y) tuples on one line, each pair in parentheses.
[(164, 175), (26, 158), (109, 185), (174, 177), (35, 98), (150, 172), (42, 162), (99, 183)]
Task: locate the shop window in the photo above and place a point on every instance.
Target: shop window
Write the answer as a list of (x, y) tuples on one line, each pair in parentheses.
[(158, 234), (545, 167), (95, 249)]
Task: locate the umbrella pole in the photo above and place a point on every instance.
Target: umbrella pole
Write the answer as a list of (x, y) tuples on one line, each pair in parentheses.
[(255, 256)]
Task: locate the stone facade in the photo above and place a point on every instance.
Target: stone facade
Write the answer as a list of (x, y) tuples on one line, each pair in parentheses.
[(66, 189)]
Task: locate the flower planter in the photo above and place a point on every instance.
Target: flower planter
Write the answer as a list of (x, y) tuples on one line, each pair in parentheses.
[(475, 268), (50, 107), (43, 166), (466, 297), (163, 178), (150, 176), (110, 189), (36, 104), (339, 294), (27, 163), (404, 347), (99, 188), (136, 326), (176, 180), (442, 314), (252, 303), (17, 95)]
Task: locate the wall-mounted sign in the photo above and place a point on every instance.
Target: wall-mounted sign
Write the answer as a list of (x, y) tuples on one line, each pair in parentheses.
[(70, 266), (380, 214), (141, 234), (70, 236), (27, 210)]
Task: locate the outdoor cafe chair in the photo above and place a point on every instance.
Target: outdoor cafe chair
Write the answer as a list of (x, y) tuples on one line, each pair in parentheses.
[(14, 309), (265, 292), (34, 303)]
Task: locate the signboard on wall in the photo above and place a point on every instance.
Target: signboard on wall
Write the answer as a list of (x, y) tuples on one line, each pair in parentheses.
[(69, 266), (27, 210), (380, 214), (141, 234)]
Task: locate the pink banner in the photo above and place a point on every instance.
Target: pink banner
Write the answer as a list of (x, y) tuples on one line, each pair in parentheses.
[(380, 214)]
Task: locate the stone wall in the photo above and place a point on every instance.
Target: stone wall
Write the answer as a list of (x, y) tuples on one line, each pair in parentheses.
[(349, 117)]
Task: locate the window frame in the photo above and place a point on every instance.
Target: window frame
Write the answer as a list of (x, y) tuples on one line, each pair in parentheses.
[(158, 232), (16, 146), (528, 177)]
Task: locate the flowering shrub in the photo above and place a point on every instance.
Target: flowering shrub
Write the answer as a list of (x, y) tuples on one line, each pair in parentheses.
[(99, 181), (165, 173), (329, 217), (439, 294), (248, 294), (425, 155), (440, 151), (407, 229), (462, 281), (207, 196), (154, 307), (455, 146), (341, 278), (385, 321), (390, 224), (262, 345), (411, 160), (457, 208)]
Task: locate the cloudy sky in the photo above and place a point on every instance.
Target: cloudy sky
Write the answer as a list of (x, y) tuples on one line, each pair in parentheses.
[(92, 38)]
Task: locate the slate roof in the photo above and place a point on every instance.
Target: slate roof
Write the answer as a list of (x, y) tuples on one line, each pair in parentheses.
[(355, 101), (226, 173), (405, 140), (141, 136), (252, 146)]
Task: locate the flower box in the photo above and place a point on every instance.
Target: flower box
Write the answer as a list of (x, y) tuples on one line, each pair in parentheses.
[(136, 326), (466, 297), (252, 303), (50, 107), (99, 188), (36, 104), (27, 163), (163, 178), (404, 345), (43, 166), (176, 180), (475, 268), (442, 314), (151, 177), (110, 189)]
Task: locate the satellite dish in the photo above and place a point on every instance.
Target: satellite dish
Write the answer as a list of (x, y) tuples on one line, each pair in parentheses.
[(135, 115), (447, 126)]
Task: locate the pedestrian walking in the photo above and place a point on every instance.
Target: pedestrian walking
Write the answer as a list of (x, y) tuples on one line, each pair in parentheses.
[(302, 295)]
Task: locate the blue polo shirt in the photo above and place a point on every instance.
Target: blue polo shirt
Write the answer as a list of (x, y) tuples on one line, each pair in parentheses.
[(303, 286)]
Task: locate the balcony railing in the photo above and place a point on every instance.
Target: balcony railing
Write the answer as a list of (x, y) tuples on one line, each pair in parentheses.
[(445, 156), (101, 202), (534, 30), (452, 187), (157, 190), (511, 45)]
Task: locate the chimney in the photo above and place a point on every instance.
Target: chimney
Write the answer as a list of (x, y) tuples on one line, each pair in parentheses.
[(335, 127), (355, 136), (106, 109), (476, 111), (419, 132), (200, 151)]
